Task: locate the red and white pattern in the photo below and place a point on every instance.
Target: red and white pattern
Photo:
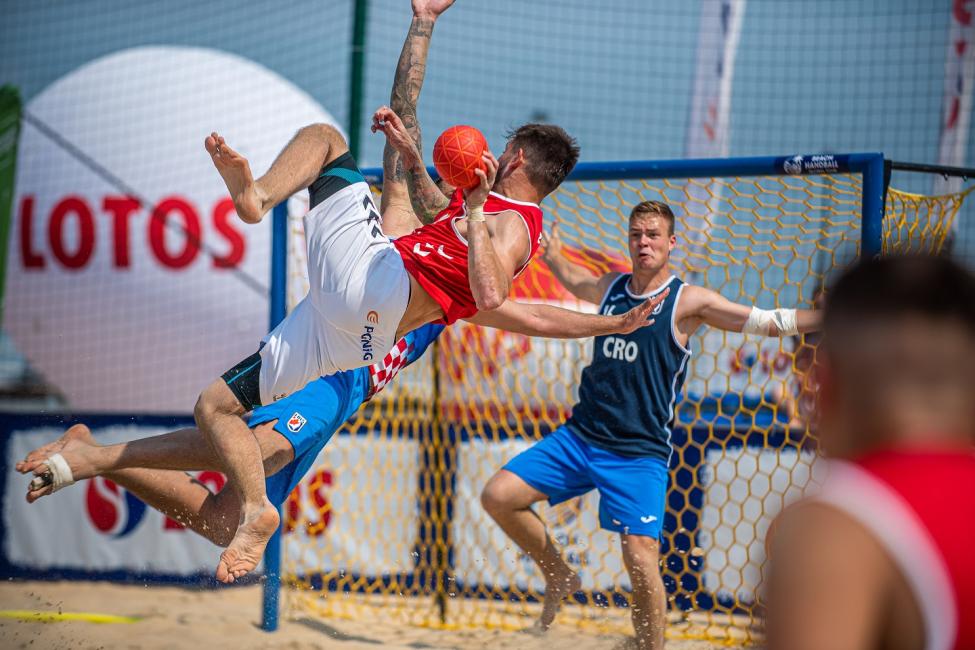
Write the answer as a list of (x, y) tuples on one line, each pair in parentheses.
[(920, 505), (383, 372)]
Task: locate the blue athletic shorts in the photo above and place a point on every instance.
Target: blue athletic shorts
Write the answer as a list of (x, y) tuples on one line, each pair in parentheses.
[(308, 419), (632, 491)]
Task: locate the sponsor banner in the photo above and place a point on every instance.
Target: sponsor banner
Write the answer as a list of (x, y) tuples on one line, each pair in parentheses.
[(734, 364), (123, 229), (496, 373), (96, 525), (356, 510), (483, 554), (744, 490)]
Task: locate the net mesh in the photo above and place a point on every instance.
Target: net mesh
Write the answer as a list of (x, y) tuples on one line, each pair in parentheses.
[(916, 223), (389, 525)]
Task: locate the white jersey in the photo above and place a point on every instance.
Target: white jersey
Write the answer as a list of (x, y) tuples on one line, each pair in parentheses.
[(358, 290)]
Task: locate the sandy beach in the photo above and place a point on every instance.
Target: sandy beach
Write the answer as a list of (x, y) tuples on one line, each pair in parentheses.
[(176, 617)]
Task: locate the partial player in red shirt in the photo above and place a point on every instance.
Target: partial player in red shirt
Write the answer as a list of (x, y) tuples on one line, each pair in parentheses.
[(881, 556)]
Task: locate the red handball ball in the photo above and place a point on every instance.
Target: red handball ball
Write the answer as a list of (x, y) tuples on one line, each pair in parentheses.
[(457, 153)]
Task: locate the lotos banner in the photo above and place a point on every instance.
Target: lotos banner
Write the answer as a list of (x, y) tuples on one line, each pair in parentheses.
[(131, 283)]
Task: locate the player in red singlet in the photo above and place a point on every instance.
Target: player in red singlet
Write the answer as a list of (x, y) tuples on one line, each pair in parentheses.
[(436, 254), (881, 556)]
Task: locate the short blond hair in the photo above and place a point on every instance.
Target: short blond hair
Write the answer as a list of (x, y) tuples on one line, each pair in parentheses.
[(655, 207)]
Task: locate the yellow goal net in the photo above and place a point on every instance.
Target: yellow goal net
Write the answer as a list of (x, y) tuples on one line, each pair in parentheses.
[(388, 524)]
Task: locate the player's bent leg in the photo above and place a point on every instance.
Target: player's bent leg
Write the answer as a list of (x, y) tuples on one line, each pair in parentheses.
[(185, 450), (218, 415), (213, 515), (185, 499), (295, 168), (641, 556), (507, 498), (301, 161)]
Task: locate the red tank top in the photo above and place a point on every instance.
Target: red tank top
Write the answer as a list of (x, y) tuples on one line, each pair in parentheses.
[(436, 254), (920, 504)]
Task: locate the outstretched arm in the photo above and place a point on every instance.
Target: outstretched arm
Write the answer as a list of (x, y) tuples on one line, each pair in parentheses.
[(426, 198), (579, 281), (407, 181), (410, 71), (705, 307), (490, 270), (558, 323)]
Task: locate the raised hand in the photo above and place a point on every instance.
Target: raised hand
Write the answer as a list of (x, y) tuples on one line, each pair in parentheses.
[(552, 243), (387, 121), (477, 195), (430, 8), (639, 316)]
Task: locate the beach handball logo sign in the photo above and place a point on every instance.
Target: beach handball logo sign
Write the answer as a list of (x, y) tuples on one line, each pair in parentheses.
[(112, 510), (793, 165), (124, 239)]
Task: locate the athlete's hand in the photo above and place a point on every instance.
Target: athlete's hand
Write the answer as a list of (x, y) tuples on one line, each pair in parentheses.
[(477, 195), (552, 244), (386, 120), (639, 316), (430, 8)]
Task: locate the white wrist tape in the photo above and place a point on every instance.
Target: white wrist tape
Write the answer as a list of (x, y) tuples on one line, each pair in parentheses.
[(475, 215), (759, 320)]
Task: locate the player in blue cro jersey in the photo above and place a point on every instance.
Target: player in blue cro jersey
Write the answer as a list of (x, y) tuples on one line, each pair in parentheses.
[(618, 437)]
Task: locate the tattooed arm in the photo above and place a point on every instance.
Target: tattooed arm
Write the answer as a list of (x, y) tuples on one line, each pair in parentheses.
[(406, 181)]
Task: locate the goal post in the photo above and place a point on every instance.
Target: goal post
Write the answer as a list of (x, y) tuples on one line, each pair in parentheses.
[(388, 522), (278, 309)]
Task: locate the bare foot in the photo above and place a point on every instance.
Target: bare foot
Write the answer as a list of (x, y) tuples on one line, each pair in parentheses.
[(236, 173), (247, 547), (74, 446), (76, 432), (556, 589)]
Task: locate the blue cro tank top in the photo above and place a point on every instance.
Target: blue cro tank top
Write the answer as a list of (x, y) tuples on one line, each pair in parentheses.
[(627, 394)]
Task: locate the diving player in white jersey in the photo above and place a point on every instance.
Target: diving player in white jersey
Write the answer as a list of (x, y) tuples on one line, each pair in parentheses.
[(618, 437)]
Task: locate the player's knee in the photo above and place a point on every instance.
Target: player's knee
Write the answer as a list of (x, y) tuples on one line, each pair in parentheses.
[(490, 498), (494, 496), (324, 132), (211, 403)]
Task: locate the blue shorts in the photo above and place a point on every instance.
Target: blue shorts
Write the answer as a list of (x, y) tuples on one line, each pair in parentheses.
[(632, 491), (308, 419)]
